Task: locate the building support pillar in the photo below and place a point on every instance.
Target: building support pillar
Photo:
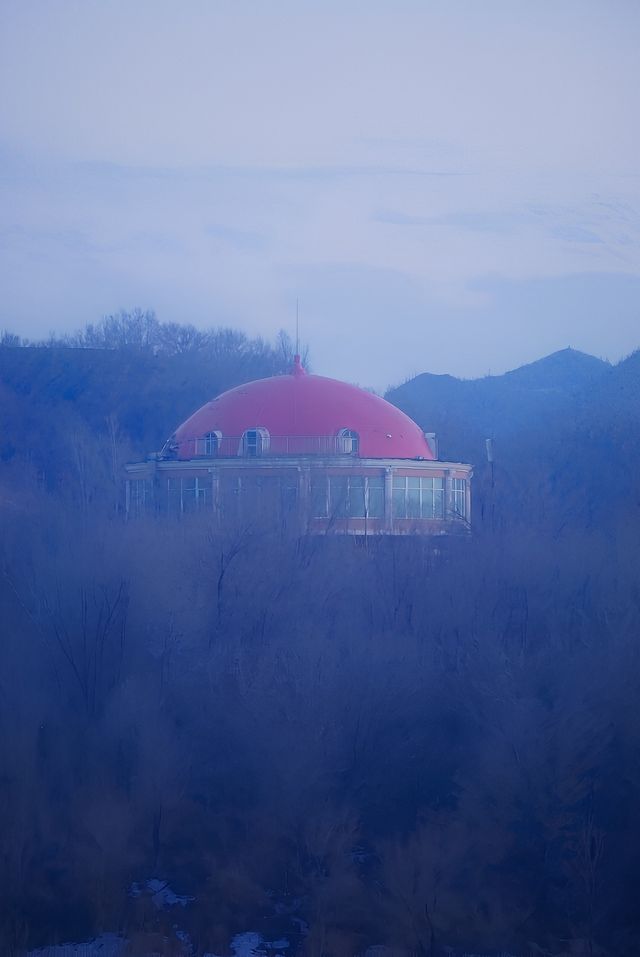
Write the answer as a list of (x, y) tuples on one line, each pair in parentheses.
[(304, 499), (388, 500), (448, 497)]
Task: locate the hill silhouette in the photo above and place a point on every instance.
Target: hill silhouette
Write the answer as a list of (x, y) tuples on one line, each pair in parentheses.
[(564, 428), (534, 396), (56, 396)]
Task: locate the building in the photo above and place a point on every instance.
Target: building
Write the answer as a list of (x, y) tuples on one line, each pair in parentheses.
[(308, 453)]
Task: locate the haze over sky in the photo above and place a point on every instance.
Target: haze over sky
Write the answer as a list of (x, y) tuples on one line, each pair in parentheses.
[(447, 186)]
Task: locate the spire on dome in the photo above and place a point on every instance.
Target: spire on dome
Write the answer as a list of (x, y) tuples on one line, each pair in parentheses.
[(298, 368)]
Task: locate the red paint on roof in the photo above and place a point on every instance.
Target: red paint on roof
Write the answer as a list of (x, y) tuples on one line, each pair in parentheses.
[(307, 405)]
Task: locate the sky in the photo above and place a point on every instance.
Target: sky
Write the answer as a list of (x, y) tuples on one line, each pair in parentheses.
[(450, 186)]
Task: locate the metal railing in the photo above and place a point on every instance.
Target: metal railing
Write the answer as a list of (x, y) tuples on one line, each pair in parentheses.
[(230, 446)]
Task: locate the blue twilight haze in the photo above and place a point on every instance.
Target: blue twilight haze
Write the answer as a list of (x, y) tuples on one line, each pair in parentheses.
[(449, 185)]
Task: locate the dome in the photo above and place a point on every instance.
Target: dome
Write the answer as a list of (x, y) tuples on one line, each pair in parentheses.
[(304, 414)]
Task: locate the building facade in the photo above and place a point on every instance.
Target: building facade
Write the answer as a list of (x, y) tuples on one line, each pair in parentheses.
[(308, 453)]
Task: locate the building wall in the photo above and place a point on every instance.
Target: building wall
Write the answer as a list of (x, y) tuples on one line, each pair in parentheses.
[(337, 495)]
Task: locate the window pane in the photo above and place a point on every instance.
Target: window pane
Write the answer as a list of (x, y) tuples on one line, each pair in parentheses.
[(376, 497), (319, 503), (139, 495), (174, 497), (251, 439), (438, 498), (288, 497), (428, 501), (413, 501), (189, 494), (348, 441), (356, 496), (210, 443), (459, 497), (229, 496), (338, 496), (399, 503)]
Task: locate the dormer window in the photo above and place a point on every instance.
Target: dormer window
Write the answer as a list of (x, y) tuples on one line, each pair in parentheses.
[(255, 442), (209, 444), (348, 442)]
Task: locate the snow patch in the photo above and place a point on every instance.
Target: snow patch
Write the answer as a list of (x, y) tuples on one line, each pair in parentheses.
[(161, 894), (107, 945)]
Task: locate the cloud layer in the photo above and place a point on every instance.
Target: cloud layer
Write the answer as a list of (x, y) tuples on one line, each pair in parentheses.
[(445, 186)]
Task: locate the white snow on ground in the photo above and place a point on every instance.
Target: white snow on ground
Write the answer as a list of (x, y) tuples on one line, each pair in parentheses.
[(161, 894), (247, 945), (252, 944), (108, 945)]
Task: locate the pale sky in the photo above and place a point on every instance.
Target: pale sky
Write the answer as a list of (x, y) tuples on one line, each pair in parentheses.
[(446, 185)]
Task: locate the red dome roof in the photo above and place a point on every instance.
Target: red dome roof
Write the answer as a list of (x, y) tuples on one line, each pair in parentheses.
[(310, 408)]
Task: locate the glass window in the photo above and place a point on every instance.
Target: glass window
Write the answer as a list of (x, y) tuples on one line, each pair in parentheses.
[(349, 496), (187, 494), (348, 442), (399, 496), (139, 495), (229, 492), (255, 442), (376, 496), (459, 497), (357, 496), (288, 497), (174, 495), (208, 444), (432, 498), (319, 496), (339, 496), (415, 497)]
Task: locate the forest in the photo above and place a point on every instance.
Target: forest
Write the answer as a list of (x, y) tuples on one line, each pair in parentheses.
[(411, 748)]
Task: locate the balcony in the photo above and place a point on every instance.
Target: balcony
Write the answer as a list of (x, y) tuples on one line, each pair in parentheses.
[(231, 446)]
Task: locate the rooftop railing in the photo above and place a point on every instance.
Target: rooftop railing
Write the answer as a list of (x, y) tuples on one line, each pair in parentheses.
[(288, 445), (251, 445)]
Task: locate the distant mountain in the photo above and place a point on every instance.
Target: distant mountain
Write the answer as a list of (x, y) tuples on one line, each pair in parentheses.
[(566, 433), (465, 411), (565, 371)]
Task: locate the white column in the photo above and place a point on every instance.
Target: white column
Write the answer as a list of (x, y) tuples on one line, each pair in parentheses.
[(388, 500), (448, 496)]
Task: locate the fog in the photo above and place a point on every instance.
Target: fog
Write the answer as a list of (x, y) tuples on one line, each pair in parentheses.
[(227, 727), (464, 173)]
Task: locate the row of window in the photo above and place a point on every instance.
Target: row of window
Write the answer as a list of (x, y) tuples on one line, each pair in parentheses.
[(333, 496), (188, 494), (256, 442), (347, 496), (424, 497)]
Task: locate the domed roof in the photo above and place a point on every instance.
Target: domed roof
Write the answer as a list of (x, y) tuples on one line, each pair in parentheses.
[(310, 412)]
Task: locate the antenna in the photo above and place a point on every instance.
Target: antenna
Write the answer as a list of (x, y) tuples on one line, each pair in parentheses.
[(297, 329)]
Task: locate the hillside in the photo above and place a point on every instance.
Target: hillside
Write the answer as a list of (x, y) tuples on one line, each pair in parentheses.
[(147, 394), (309, 741), (564, 428), (465, 411), (54, 398)]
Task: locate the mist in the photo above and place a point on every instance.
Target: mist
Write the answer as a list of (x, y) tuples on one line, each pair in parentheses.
[(354, 677)]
